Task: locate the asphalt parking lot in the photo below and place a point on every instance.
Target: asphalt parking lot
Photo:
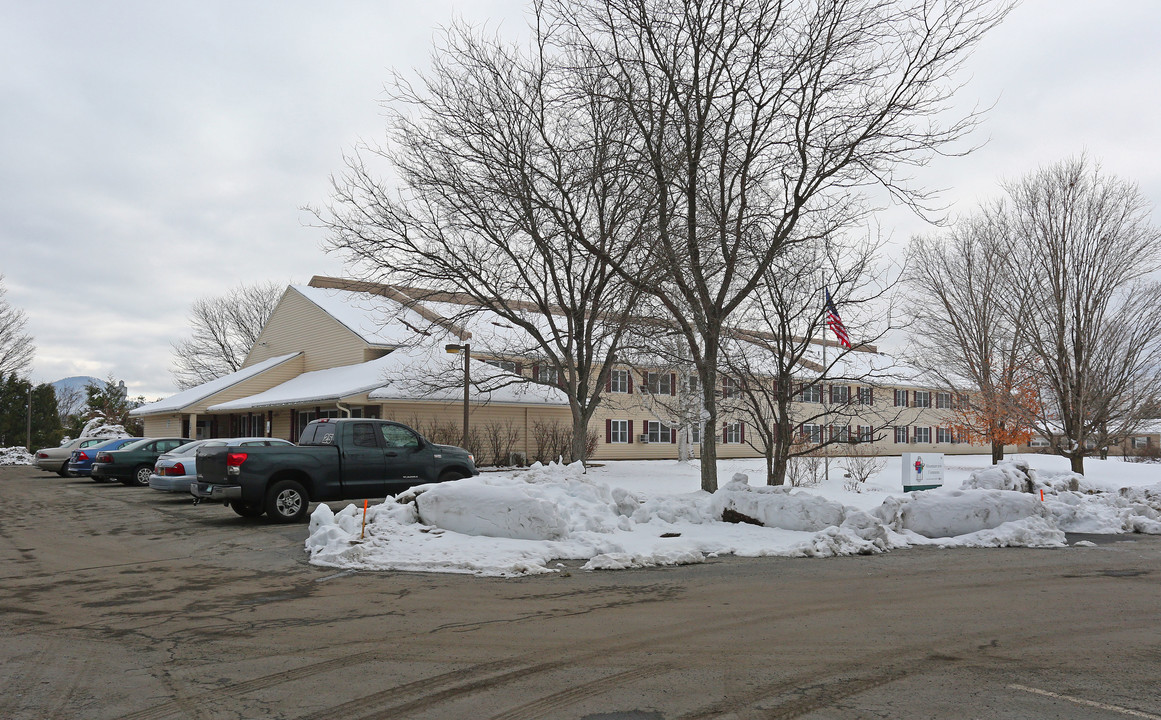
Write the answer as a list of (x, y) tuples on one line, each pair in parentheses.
[(128, 603)]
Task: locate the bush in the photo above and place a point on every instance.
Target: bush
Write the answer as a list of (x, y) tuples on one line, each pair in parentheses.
[(552, 441), (1147, 454), (862, 462), (500, 438), (804, 470)]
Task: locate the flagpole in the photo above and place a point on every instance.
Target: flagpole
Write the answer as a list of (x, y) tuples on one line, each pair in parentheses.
[(822, 388)]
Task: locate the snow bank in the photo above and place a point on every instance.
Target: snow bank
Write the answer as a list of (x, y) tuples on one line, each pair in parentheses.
[(775, 506), (948, 513), (15, 456), (522, 522)]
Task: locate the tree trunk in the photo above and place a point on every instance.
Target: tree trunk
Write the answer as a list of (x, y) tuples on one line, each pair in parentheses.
[(1077, 461), (997, 452), (580, 428), (709, 436)]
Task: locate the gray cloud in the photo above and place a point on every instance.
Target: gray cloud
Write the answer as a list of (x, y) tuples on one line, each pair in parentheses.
[(157, 152)]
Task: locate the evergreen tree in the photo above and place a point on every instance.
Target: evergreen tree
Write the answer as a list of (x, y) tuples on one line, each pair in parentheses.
[(15, 393)]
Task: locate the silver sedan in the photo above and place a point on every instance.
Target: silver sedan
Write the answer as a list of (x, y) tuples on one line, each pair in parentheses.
[(175, 470)]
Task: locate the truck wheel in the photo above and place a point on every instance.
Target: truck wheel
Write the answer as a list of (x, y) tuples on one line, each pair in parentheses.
[(141, 476), (245, 509), (447, 475), (64, 469), (287, 502)]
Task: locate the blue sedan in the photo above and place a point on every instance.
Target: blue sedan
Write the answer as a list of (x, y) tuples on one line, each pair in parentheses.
[(81, 461)]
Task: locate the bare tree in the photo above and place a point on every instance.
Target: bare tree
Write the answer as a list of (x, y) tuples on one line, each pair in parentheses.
[(969, 318), (1083, 244), (69, 401), (225, 328), (16, 346), (784, 373), (760, 123), (510, 165)]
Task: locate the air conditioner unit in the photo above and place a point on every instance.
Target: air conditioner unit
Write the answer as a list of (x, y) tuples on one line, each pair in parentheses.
[(643, 439)]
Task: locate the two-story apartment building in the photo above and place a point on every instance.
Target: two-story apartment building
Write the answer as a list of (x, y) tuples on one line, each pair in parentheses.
[(341, 348)]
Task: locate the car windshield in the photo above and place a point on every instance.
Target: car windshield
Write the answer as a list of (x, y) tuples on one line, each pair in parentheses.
[(135, 445), (114, 444), (188, 448)]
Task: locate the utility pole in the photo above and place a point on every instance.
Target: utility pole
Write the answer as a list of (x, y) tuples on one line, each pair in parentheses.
[(28, 440)]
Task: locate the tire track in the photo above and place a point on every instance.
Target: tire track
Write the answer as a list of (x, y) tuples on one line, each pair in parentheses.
[(538, 708), (897, 664), (533, 664), (348, 709), (174, 707), (827, 694)]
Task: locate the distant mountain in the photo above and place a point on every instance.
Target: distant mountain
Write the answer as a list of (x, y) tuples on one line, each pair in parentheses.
[(71, 390), (76, 382)]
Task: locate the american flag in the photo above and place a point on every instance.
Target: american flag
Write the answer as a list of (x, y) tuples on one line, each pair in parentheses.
[(835, 323)]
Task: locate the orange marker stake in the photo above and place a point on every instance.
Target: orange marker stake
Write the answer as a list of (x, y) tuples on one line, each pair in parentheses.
[(1041, 495), (364, 530)]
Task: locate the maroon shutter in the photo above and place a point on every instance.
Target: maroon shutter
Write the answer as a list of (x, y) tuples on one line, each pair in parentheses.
[(608, 431), (725, 433), (536, 373), (673, 435), (630, 432), (629, 381), (741, 431), (645, 382), (672, 383), (519, 368)]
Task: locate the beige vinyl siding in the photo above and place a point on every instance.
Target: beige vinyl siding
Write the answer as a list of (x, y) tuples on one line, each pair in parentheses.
[(421, 415), (168, 425), (298, 324)]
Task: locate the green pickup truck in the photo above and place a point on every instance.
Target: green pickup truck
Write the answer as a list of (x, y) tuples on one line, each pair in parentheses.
[(335, 459)]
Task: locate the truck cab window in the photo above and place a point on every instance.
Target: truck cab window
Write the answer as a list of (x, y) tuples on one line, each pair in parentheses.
[(363, 435), (395, 436)]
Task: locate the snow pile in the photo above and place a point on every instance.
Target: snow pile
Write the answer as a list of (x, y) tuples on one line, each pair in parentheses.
[(1018, 477), (775, 506), (15, 456), (1075, 505), (97, 427), (520, 522), (973, 517)]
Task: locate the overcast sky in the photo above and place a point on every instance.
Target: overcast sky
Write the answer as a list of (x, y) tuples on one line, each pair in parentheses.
[(155, 152)]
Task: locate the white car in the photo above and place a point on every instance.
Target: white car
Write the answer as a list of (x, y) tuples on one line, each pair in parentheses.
[(175, 470)]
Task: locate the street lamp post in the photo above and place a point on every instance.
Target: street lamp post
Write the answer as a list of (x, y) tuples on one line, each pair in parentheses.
[(467, 350), (29, 439)]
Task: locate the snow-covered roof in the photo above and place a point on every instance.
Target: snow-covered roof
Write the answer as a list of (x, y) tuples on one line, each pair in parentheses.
[(428, 373), (377, 320), (423, 373), (185, 398), (331, 384)]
